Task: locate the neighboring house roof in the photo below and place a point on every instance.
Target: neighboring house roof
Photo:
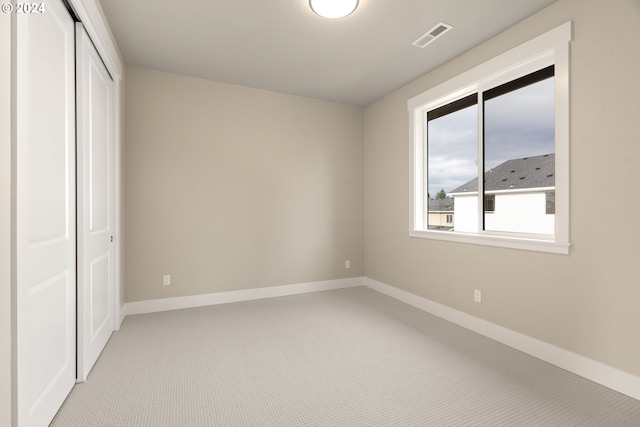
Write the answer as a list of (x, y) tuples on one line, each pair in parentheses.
[(441, 205), (516, 174)]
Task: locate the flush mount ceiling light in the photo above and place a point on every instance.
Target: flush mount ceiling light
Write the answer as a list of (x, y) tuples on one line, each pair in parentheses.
[(333, 9)]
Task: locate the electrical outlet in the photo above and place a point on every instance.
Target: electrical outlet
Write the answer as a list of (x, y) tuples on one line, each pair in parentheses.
[(166, 280), (477, 295), (347, 264)]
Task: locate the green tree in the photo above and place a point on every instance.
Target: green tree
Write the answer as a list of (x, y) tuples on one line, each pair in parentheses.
[(440, 195)]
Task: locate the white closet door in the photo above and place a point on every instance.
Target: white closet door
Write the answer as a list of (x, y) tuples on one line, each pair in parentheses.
[(96, 213), (45, 239)]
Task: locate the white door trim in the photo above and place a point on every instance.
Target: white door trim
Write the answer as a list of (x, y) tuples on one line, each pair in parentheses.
[(90, 13), (118, 307)]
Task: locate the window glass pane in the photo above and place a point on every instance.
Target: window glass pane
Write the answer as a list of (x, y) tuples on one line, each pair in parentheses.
[(519, 157), (489, 203), (452, 151), (551, 203)]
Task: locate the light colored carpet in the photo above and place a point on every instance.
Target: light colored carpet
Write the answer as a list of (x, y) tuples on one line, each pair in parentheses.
[(349, 357)]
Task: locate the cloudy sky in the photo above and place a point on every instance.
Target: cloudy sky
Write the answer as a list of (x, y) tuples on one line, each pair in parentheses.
[(517, 124)]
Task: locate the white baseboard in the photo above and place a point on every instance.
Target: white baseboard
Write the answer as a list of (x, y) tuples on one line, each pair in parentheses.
[(595, 371), (166, 304)]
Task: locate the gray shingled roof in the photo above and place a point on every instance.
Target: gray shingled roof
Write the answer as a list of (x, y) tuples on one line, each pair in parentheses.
[(441, 205), (515, 174)]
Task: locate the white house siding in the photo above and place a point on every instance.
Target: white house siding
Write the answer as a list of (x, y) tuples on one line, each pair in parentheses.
[(465, 212), (514, 212), (521, 212)]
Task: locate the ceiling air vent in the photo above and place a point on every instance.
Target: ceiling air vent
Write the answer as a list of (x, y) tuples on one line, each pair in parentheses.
[(432, 34)]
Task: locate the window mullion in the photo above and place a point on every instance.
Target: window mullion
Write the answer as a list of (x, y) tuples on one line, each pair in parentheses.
[(480, 162)]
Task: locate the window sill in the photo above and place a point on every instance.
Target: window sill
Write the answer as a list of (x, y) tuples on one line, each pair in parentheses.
[(499, 241)]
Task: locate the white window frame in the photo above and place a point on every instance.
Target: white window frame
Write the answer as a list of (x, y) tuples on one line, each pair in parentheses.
[(550, 48)]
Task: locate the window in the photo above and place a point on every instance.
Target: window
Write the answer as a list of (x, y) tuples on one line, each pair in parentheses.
[(489, 203), (449, 219), (495, 141), (550, 203)]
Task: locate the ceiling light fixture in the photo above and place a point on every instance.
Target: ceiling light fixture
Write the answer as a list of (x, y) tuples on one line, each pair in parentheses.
[(333, 9)]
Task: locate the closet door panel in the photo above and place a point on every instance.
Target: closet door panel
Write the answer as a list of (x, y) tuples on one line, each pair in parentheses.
[(96, 207), (45, 239)]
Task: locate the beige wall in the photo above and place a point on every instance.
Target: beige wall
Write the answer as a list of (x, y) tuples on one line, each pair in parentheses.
[(231, 188), (5, 219), (587, 302)]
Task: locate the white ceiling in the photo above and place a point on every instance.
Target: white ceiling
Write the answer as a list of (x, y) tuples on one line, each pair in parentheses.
[(282, 46)]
